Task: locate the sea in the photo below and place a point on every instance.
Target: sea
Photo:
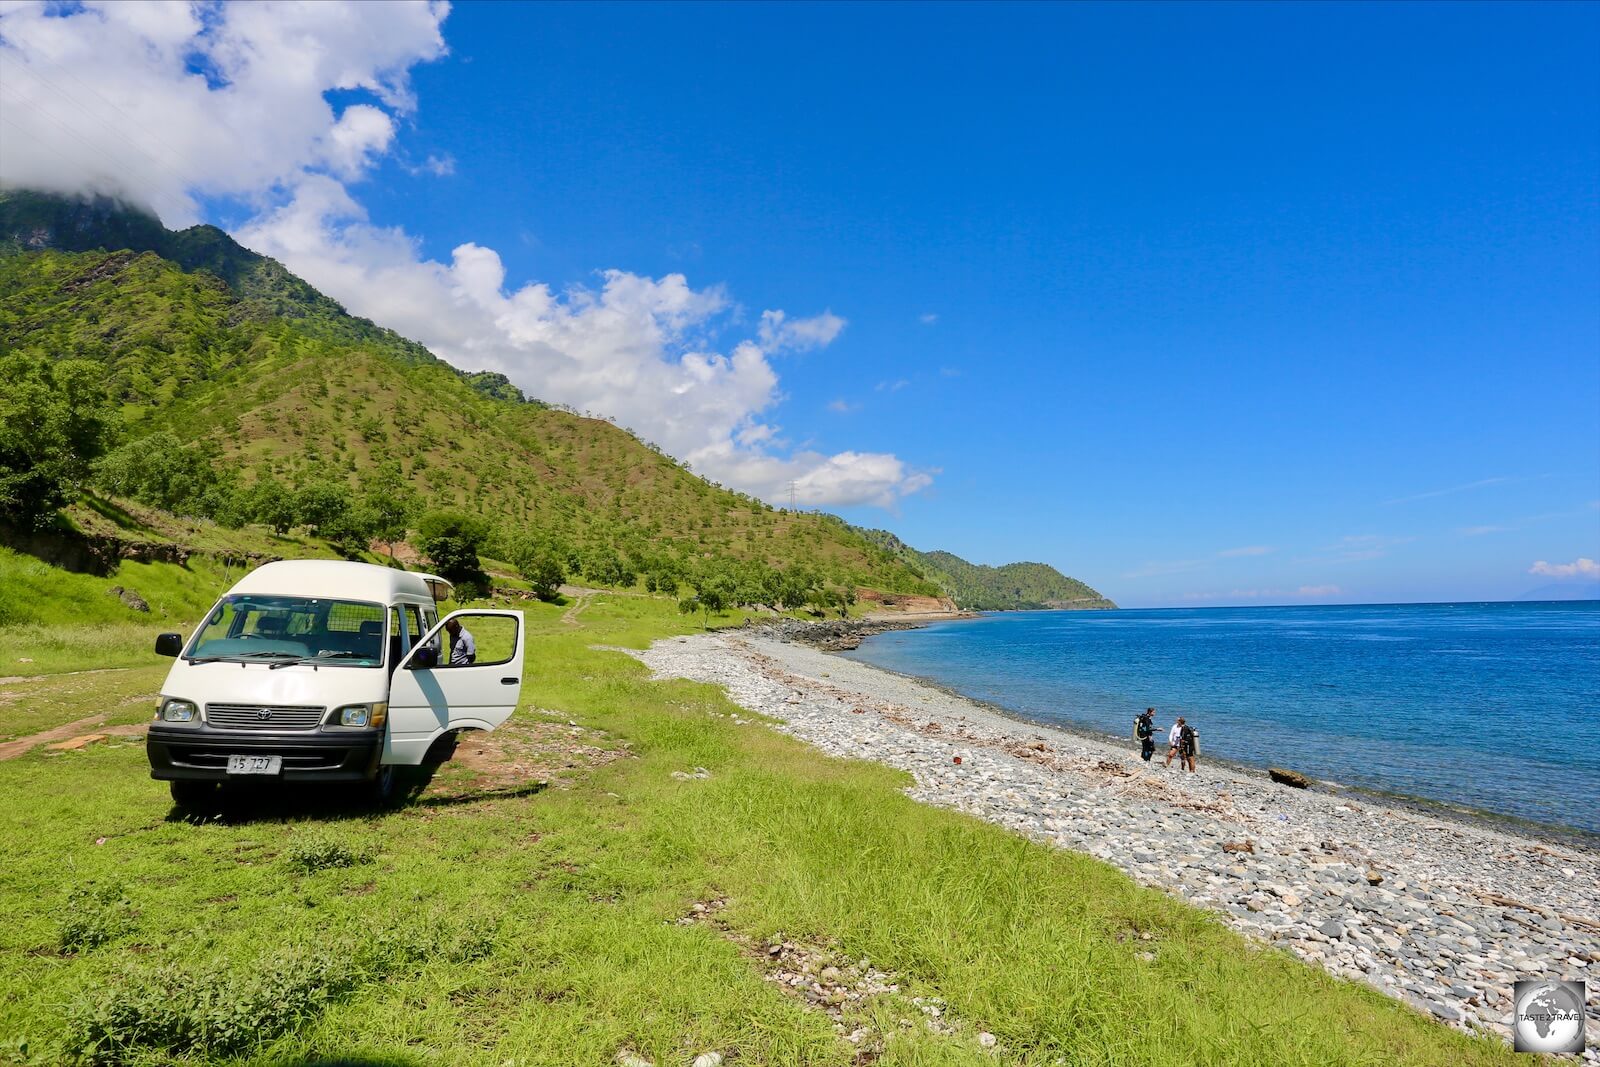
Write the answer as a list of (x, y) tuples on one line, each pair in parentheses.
[(1487, 708)]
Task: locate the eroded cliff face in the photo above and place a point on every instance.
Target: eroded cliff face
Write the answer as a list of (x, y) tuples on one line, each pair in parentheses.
[(904, 603)]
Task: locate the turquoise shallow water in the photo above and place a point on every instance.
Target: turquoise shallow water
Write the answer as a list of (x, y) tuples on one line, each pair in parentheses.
[(1490, 706)]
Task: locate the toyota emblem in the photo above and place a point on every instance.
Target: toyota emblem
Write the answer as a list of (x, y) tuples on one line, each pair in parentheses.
[(264, 714)]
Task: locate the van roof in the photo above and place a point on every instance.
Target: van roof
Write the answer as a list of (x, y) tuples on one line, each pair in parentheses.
[(337, 579)]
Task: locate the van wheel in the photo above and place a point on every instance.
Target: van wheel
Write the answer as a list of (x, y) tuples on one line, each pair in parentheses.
[(193, 796), (380, 791)]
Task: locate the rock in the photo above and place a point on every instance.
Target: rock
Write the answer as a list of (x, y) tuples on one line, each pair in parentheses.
[(1239, 846), (1374, 878), (1287, 777), (629, 1058), (986, 1039), (708, 1059), (1332, 929), (1444, 1011)]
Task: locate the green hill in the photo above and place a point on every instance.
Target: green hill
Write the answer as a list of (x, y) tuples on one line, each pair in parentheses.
[(979, 587), (245, 398), (249, 371)]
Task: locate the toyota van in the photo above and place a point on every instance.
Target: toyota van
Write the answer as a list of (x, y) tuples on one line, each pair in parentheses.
[(312, 671)]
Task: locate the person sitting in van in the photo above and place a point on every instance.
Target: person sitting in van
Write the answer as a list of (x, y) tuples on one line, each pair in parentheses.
[(463, 649)]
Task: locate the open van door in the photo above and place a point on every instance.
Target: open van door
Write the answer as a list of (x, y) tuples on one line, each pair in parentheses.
[(428, 695)]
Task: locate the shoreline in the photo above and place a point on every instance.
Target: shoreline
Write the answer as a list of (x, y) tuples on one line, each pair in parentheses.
[(1442, 913), (1570, 836)]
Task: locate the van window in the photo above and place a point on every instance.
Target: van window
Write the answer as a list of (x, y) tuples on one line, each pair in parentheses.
[(248, 627)]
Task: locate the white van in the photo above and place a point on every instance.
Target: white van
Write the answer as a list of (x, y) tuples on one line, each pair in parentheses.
[(326, 671)]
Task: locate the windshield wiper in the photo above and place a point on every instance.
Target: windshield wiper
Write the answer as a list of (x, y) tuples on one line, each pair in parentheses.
[(295, 661), (274, 652), (342, 653)]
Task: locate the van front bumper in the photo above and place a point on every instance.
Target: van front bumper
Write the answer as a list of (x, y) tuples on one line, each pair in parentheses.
[(199, 753)]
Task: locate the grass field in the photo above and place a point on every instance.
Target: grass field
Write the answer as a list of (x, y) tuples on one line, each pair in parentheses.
[(500, 921)]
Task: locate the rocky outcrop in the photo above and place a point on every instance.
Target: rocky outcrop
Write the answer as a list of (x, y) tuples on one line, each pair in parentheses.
[(130, 598), (831, 635), (1288, 777)]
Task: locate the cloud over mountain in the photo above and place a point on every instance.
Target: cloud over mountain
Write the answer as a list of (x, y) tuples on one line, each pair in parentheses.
[(169, 104)]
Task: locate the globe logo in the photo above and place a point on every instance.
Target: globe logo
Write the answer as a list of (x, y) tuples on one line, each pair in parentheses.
[(1549, 1016)]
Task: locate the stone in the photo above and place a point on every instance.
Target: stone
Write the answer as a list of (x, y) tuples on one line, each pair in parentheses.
[(1239, 846), (1374, 878), (1444, 1011), (986, 1039), (1333, 929), (1287, 777), (708, 1059)]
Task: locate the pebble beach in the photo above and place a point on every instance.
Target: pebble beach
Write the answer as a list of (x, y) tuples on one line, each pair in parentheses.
[(1442, 914)]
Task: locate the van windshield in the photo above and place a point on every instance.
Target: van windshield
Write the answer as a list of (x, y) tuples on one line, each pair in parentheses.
[(252, 628)]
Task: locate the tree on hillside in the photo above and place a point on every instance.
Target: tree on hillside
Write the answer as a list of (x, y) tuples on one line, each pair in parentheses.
[(54, 422), (543, 571), (452, 540), (327, 508), (161, 471), (388, 504), (269, 503)]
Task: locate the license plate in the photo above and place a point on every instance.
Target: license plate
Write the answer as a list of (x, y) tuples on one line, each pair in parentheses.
[(255, 764)]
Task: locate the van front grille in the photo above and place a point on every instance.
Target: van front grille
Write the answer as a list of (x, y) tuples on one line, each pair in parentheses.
[(263, 717)]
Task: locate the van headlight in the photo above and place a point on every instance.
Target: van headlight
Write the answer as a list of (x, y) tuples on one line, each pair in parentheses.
[(174, 710), (363, 714)]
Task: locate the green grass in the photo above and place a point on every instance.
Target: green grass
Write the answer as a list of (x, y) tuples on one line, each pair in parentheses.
[(538, 926)]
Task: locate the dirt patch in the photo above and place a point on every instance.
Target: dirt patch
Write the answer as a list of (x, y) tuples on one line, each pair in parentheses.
[(72, 731), (523, 753)]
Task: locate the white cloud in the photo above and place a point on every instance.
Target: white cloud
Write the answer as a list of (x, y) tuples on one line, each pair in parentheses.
[(1246, 550), (779, 333), (165, 103), (361, 133), (892, 386), (928, 318), (159, 102), (1318, 590), (439, 166), (1582, 567), (841, 406), (633, 349)]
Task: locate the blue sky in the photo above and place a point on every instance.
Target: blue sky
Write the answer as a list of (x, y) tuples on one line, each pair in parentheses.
[(1201, 304)]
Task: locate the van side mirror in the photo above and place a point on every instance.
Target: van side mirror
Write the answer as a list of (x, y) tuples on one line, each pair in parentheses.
[(169, 644), (423, 658)]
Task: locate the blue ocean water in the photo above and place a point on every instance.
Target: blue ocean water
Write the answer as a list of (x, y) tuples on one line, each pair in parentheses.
[(1488, 706)]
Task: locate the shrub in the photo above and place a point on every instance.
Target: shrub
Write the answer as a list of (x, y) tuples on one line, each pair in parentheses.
[(93, 917), (215, 1011), (311, 854)]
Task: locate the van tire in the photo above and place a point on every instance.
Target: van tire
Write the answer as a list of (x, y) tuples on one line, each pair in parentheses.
[(193, 796), (383, 788)]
